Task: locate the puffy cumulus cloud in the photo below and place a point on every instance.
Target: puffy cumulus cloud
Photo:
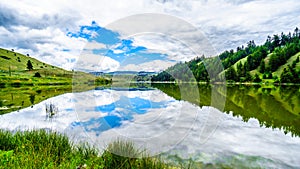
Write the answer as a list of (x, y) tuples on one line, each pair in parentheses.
[(49, 45), (93, 45), (40, 34), (228, 24), (173, 48), (40, 28), (155, 65), (88, 62)]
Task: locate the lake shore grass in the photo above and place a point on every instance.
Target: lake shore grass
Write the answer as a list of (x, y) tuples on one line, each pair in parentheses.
[(43, 149), (28, 79)]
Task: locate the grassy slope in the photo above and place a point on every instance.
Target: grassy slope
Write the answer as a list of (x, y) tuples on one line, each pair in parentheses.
[(13, 70), (243, 60), (32, 90), (277, 72), (18, 63), (289, 62)]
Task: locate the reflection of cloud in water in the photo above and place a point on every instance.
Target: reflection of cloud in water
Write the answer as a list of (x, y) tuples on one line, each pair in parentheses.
[(35, 117), (117, 112), (158, 122), (98, 125)]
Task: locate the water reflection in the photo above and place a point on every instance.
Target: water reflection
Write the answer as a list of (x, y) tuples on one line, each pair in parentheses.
[(274, 107), (162, 122), (12, 99), (122, 109)]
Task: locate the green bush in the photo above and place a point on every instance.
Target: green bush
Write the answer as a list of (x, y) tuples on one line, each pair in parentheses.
[(37, 74)]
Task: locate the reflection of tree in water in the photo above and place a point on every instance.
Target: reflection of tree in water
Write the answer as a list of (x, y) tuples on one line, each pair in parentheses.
[(51, 111), (288, 92), (32, 98), (263, 105), (273, 107), (267, 91), (18, 98)]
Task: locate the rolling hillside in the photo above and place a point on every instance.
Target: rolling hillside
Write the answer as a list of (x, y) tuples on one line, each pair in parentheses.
[(17, 69), (275, 61), (14, 63)]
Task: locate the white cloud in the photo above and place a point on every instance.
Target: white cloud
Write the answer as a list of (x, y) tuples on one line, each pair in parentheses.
[(40, 27), (94, 45), (174, 48), (118, 51), (155, 65), (93, 62)]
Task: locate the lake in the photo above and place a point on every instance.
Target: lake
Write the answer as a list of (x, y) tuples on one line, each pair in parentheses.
[(241, 126)]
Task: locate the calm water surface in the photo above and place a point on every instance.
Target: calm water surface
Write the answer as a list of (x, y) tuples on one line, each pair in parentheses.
[(255, 127)]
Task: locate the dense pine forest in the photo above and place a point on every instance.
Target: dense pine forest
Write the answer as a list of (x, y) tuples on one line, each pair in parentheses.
[(276, 61)]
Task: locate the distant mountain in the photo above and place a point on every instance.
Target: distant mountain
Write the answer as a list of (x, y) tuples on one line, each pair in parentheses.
[(277, 60), (139, 73)]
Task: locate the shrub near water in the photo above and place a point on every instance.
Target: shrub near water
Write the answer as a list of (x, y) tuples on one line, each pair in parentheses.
[(42, 149), (120, 154)]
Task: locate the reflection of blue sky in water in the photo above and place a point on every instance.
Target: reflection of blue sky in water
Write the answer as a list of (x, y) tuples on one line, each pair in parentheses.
[(121, 110), (100, 116)]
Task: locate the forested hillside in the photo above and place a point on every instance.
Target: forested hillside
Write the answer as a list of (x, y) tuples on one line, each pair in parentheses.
[(277, 60)]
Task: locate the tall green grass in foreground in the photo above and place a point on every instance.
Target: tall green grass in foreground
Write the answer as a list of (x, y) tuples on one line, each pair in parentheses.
[(42, 149)]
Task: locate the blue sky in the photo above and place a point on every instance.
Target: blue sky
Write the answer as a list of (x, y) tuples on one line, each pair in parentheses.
[(111, 45), (61, 34)]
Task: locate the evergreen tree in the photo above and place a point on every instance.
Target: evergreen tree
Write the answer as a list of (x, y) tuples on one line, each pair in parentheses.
[(231, 74), (29, 65), (262, 66), (256, 78), (248, 77), (37, 74), (240, 69), (296, 34), (286, 76), (280, 48), (264, 76)]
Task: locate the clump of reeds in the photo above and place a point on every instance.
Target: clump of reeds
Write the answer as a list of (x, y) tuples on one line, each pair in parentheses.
[(51, 110)]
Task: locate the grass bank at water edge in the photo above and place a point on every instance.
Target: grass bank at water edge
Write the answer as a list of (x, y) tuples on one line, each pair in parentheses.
[(42, 149)]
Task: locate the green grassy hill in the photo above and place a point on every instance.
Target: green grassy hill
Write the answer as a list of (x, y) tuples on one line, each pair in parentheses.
[(14, 71), (277, 73), (17, 63), (16, 60), (21, 87), (275, 61), (289, 62)]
